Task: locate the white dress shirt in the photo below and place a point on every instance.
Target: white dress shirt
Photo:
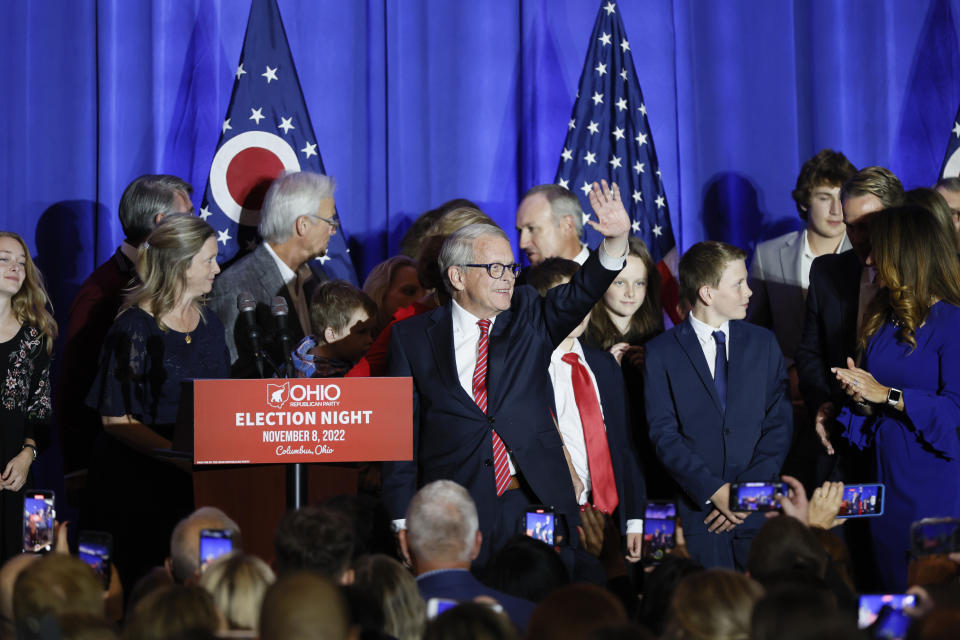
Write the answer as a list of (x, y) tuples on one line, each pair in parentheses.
[(707, 343), (581, 257)]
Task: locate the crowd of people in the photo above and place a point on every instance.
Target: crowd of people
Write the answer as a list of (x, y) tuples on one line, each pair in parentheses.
[(583, 467)]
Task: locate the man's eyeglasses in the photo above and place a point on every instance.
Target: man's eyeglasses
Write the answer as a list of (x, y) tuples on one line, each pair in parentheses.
[(496, 270), (333, 222)]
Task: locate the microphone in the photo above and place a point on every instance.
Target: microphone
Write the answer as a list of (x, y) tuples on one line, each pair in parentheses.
[(247, 307), (280, 311)]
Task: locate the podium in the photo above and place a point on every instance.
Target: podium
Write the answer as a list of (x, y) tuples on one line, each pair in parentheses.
[(245, 433)]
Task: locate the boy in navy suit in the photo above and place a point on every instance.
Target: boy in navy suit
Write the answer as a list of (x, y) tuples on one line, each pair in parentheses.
[(604, 465), (717, 404)]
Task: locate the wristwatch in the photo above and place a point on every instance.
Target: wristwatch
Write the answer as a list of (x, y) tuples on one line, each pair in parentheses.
[(893, 396)]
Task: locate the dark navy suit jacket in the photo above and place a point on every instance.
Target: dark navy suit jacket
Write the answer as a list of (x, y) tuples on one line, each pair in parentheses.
[(459, 584), (452, 437), (704, 447), (830, 326), (631, 487)]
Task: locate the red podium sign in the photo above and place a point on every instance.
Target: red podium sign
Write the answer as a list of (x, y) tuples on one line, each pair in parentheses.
[(302, 420)]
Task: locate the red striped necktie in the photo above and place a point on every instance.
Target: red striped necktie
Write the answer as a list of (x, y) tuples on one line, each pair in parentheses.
[(501, 466)]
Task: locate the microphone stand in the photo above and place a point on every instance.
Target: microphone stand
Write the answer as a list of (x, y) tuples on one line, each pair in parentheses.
[(296, 471)]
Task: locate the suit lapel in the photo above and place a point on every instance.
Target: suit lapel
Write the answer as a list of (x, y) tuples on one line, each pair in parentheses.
[(688, 340), (440, 336), (497, 350)]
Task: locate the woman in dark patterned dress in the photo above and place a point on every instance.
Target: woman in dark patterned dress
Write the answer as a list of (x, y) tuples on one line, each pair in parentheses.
[(27, 331), (160, 339)]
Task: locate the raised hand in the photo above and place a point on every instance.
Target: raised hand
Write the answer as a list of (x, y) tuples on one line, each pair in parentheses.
[(613, 221)]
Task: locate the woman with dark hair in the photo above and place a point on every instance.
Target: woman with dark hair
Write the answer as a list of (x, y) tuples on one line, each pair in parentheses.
[(161, 338), (906, 390), (27, 331)]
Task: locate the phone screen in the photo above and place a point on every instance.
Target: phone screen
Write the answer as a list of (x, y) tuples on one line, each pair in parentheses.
[(659, 530), (756, 496), (861, 501), (213, 544), (540, 525), (38, 517), (95, 549), (872, 603), (436, 606), (935, 535)]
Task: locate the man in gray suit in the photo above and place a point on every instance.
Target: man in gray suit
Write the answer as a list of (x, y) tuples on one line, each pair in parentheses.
[(779, 275), (296, 222)]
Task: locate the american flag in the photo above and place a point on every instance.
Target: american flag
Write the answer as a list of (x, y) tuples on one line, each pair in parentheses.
[(267, 130), (609, 138), (951, 160)]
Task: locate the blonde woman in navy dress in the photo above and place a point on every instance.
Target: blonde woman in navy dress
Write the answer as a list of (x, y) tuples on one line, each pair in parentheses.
[(908, 381), (161, 338), (27, 331)]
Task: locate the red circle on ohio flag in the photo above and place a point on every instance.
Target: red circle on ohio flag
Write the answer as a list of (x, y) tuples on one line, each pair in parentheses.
[(243, 169), (249, 175)]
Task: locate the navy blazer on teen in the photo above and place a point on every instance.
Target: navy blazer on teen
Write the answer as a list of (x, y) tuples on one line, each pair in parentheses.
[(631, 487), (451, 436), (702, 446)]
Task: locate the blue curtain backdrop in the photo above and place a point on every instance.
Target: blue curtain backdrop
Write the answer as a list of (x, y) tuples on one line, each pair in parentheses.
[(416, 102)]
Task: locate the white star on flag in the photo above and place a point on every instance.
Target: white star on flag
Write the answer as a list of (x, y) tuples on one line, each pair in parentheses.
[(637, 196), (956, 128), (563, 183), (590, 158), (643, 109), (641, 139), (625, 46), (623, 74), (657, 231), (635, 226), (621, 104), (226, 126), (660, 202), (585, 217), (204, 213), (597, 98), (223, 236), (618, 133), (601, 69), (285, 124), (593, 127), (257, 115), (240, 71), (604, 38), (271, 74), (309, 150), (614, 162), (573, 124), (638, 167), (323, 259), (567, 154), (586, 188), (610, 8)]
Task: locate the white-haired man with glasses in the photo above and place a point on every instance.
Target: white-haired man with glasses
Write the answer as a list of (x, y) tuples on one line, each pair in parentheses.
[(483, 400), (296, 222)]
